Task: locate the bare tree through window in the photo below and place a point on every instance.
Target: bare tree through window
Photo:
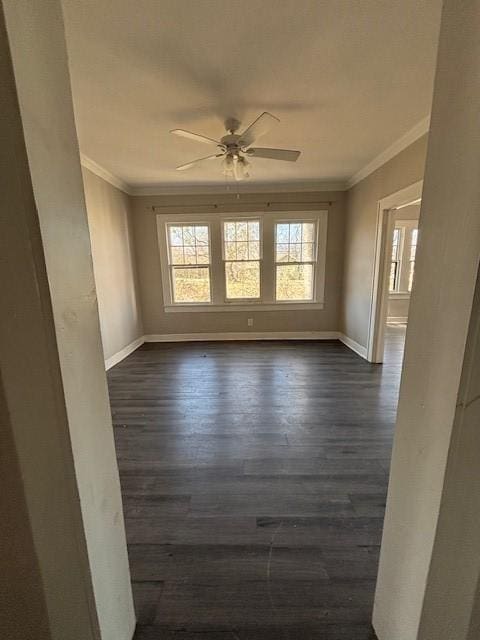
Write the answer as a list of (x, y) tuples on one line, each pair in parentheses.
[(295, 254), (189, 259), (241, 253)]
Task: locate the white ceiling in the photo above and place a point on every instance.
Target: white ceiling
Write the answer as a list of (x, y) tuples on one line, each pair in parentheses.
[(347, 78)]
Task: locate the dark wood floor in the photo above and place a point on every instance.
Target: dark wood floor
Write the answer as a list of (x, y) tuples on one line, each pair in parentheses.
[(254, 478)]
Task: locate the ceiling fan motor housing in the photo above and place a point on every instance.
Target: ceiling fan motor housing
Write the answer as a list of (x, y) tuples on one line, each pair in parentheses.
[(231, 143)]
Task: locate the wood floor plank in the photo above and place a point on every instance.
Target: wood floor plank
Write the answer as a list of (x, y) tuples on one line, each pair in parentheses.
[(254, 478)]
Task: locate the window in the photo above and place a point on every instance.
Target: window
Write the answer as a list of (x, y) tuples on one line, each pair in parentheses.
[(189, 260), (395, 263), (402, 266), (413, 251), (241, 254), (294, 260), (253, 260)]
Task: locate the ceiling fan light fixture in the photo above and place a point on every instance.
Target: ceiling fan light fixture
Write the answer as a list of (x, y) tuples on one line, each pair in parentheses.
[(227, 166), (233, 146), (242, 169)]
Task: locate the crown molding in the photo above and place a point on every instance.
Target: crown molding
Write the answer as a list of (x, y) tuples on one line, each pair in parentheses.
[(99, 171), (420, 129), (233, 188)]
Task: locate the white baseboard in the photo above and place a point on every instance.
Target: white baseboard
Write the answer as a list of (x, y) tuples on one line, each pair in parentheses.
[(123, 353), (242, 335), (232, 336), (397, 320), (354, 346)]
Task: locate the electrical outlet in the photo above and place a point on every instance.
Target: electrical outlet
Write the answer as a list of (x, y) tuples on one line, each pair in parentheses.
[(250, 322)]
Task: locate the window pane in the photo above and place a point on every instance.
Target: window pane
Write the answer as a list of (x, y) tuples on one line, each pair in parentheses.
[(413, 251), (295, 242), (308, 232), (395, 244), (254, 230), (413, 246), (242, 231), (254, 250), (177, 255), (176, 236), (191, 285), (295, 232), (229, 230), (283, 233), (241, 240), (242, 279), (295, 254), (242, 250), (230, 250), (201, 235), (189, 244), (294, 282), (410, 274), (282, 253), (190, 255), (202, 255), (307, 251), (189, 236), (393, 276)]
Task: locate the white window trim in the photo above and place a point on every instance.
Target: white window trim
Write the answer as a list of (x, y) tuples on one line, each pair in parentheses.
[(314, 261), (406, 226), (267, 302), (243, 301), (171, 265)]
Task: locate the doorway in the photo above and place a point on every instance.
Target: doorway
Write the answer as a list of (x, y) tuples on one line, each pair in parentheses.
[(394, 267)]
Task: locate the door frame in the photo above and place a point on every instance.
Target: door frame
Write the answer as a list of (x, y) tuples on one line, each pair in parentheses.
[(383, 247)]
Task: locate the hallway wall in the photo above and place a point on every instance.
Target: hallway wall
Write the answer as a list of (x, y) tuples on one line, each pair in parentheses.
[(429, 572), (401, 171), (51, 360)]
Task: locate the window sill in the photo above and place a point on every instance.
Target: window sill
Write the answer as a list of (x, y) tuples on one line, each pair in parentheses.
[(399, 295), (249, 306)]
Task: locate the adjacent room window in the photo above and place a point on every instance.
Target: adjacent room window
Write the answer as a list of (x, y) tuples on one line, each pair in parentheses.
[(261, 260), (404, 247), (241, 255), (189, 261), (413, 251), (295, 251), (395, 263)]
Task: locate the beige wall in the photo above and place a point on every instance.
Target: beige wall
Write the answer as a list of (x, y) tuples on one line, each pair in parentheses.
[(360, 233), (109, 220), (52, 361), (21, 588), (429, 573), (156, 321)]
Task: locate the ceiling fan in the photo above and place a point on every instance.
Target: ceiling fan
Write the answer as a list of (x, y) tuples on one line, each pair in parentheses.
[(234, 148)]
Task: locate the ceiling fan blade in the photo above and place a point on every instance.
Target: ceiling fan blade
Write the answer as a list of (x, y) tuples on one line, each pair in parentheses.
[(260, 126), (194, 136), (182, 167), (274, 154)]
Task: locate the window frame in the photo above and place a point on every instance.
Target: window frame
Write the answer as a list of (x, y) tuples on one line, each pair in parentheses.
[(243, 218), (399, 258), (313, 262), (197, 265), (406, 229), (218, 300), (409, 259)]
